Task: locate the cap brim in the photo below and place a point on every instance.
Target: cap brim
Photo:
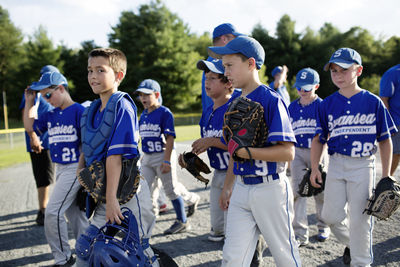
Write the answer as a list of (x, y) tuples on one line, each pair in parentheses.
[(208, 66), (219, 51), (144, 91), (37, 86), (306, 87), (344, 65)]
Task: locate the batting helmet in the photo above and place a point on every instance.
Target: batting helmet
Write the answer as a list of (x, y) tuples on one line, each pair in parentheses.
[(118, 245)]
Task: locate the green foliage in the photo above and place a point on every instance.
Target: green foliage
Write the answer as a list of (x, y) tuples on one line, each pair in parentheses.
[(157, 45), (75, 69), (371, 83)]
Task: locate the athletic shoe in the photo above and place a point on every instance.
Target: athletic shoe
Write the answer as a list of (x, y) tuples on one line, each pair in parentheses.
[(346, 256), (70, 262), (323, 234), (192, 208), (163, 208), (215, 237), (177, 227), (40, 218), (302, 242), (258, 253)]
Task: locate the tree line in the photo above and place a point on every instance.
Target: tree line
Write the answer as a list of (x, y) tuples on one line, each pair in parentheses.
[(159, 45)]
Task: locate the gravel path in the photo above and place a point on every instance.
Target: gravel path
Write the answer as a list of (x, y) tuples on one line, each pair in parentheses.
[(22, 242)]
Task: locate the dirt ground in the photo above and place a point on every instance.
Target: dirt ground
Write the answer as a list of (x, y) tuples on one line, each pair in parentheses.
[(22, 242)]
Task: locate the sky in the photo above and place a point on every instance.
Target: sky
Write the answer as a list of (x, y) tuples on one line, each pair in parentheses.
[(72, 21)]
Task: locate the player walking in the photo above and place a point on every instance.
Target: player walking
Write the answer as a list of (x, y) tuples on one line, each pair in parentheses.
[(257, 191), (156, 124), (351, 121), (303, 113)]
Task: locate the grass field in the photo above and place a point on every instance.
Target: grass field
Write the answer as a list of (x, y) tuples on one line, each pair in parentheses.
[(18, 154)]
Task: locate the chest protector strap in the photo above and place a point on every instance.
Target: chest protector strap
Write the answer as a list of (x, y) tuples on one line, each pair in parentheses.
[(94, 140)]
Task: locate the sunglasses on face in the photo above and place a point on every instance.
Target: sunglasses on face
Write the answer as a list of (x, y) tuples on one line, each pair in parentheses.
[(48, 94), (299, 89)]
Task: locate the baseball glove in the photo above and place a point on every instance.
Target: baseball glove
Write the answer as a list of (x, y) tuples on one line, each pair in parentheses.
[(93, 179), (191, 162), (385, 199), (305, 187), (244, 126)]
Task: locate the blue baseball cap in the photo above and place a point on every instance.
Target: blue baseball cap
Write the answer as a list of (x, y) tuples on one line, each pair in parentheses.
[(48, 79), (48, 68), (276, 70), (225, 28), (149, 86), (306, 79), (215, 65), (245, 45), (344, 57)]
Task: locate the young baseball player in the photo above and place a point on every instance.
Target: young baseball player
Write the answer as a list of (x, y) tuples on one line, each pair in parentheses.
[(114, 115), (156, 128), (303, 116), (222, 34), (257, 191), (63, 127), (351, 122), (38, 148), (279, 73), (220, 90), (389, 92)]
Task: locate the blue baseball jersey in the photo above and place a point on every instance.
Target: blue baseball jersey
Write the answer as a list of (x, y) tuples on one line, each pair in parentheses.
[(153, 127), (390, 87), (283, 92), (43, 107), (304, 121), (63, 127), (352, 125), (211, 123), (124, 134), (279, 129)]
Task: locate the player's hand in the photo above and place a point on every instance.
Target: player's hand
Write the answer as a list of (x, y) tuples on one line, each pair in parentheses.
[(200, 145), (165, 167), (113, 211), (181, 162), (30, 95), (36, 145), (225, 198), (315, 178)]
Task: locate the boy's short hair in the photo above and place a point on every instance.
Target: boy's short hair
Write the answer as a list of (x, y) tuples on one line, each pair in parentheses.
[(306, 79), (247, 46), (116, 58), (49, 80), (345, 58)]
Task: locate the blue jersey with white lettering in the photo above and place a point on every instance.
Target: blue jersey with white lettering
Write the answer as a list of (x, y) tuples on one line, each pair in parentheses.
[(279, 129), (211, 123), (43, 107), (304, 121), (153, 127), (390, 87), (63, 127), (352, 125)]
